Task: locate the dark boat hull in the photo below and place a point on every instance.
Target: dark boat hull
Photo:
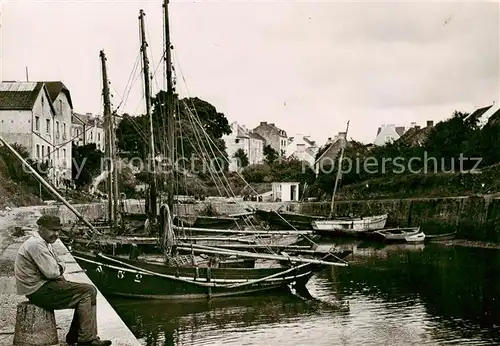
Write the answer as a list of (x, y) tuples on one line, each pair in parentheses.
[(156, 281), (283, 220), (440, 237)]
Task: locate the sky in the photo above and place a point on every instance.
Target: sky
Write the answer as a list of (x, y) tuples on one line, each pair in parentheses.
[(307, 66)]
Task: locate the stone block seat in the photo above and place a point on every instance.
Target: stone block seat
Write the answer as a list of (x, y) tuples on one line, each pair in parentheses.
[(35, 326)]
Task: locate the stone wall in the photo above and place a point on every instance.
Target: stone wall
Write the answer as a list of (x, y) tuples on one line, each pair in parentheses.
[(475, 218)]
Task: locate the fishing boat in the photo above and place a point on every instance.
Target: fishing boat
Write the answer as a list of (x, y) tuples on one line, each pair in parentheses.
[(432, 238), (186, 270), (346, 225), (350, 225), (408, 234), (287, 219), (137, 279)]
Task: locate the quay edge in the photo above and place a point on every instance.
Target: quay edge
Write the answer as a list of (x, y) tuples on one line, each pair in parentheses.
[(110, 325), (475, 218)]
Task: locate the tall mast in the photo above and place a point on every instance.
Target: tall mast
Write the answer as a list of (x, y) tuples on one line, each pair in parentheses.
[(339, 169), (147, 92), (114, 147), (170, 110), (108, 148)]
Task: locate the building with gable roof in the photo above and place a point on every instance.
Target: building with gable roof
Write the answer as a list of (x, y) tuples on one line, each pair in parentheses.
[(388, 133), (275, 137), (251, 143), (302, 148), (35, 115), (87, 128)]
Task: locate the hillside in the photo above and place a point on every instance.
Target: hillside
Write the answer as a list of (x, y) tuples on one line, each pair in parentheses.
[(13, 194)]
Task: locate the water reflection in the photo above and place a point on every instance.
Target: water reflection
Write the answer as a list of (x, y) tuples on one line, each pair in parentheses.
[(397, 294), (167, 323)]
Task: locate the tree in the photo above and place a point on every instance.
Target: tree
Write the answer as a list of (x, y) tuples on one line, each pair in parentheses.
[(242, 158), (258, 173), (131, 135), (198, 130), (87, 161), (270, 154), (19, 173), (450, 138)]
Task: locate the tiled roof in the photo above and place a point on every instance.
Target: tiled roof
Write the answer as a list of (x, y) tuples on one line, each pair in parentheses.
[(256, 136), (310, 142), (55, 88), (415, 136), (19, 96)]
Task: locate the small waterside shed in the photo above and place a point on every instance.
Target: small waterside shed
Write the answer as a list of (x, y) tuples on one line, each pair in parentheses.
[(285, 191)]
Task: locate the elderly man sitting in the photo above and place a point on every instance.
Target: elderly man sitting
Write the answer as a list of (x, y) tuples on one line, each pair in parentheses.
[(39, 276)]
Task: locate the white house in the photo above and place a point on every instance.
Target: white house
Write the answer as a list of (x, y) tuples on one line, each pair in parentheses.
[(63, 106), (388, 133), (301, 147), (87, 128), (285, 191), (256, 148), (251, 143), (29, 117)]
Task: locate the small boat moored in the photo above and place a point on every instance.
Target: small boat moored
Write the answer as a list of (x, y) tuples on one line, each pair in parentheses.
[(408, 234)]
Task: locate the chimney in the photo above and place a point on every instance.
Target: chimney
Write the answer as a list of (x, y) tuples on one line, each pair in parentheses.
[(263, 122), (272, 124), (430, 123), (417, 127), (342, 135)]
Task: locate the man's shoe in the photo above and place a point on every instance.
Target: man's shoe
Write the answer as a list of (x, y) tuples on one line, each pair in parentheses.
[(96, 342), (71, 341)]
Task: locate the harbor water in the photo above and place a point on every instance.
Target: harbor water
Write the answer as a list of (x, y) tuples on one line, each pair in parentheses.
[(393, 295)]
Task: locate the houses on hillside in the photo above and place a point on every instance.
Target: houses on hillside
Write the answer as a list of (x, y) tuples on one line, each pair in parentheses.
[(37, 115), (302, 148), (87, 128), (251, 143), (329, 152), (274, 136)]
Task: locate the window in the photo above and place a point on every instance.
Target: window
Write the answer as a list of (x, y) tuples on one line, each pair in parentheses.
[(48, 126), (64, 130), (37, 124), (237, 140), (98, 137), (57, 152), (38, 151), (60, 106), (43, 151), (388, 139), (64, 153), (43, 102), (57, 129)]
